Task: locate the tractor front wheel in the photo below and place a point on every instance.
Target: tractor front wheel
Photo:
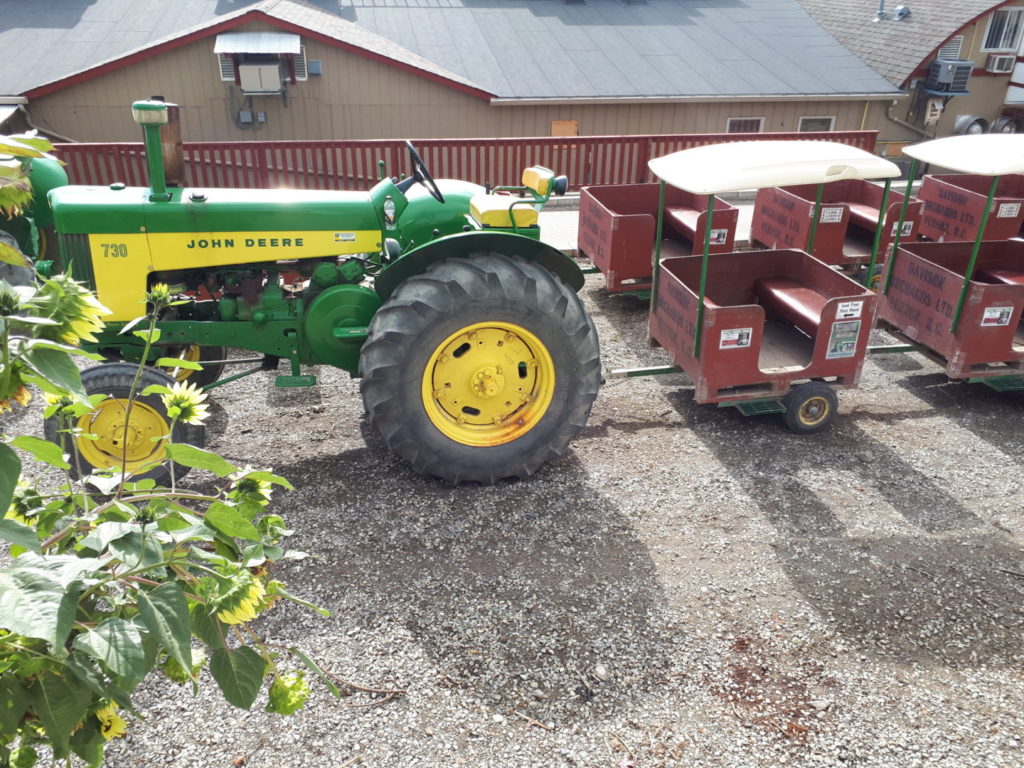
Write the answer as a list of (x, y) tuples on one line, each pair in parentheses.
[(810, 407), (202, 355), (110, 436), (480, 368)]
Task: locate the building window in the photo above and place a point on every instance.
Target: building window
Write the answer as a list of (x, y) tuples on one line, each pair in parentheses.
[(236, 51), (951, 50), (1004, 27), (744, 125), (816, 124)]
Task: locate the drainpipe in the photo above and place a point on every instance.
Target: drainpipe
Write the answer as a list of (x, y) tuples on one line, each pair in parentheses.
[(905, 124)]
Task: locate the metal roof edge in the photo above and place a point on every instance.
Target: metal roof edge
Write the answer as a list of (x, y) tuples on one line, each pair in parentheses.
[(504, 101), (231, 21)]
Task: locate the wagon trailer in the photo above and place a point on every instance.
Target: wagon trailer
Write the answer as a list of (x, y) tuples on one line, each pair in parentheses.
[(849, 214), (960, 302), (772, 331), (617, 226), (476, 357)]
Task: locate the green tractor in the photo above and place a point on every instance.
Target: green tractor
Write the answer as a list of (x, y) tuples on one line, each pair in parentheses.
[(477, 359)]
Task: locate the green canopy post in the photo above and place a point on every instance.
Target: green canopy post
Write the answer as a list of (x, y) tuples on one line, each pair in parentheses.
[(657, 247), (703, 278), (911, 173), (969, 273), (814, 219), (879, 230)]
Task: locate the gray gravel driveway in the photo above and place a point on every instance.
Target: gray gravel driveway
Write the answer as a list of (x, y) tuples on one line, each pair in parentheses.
[(686, 587)]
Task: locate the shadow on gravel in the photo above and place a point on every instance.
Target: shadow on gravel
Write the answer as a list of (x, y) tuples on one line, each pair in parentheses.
[(948, 596), (994, 417), (533, 596)]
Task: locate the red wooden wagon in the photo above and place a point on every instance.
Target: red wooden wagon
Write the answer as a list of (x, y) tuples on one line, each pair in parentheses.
[(766, 331)]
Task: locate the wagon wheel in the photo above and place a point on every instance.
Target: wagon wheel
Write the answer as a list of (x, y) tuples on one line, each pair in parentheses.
[(480, 368), (810, 407), (134, 447)]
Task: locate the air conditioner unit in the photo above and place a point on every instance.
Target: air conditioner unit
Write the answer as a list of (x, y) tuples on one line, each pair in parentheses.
[(949, 75), (260, 78), (1000, 62)]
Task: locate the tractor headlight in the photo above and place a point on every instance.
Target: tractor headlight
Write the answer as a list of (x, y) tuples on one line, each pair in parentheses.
[(149, 112)]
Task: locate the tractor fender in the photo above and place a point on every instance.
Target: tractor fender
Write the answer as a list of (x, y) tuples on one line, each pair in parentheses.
[(463, 244)]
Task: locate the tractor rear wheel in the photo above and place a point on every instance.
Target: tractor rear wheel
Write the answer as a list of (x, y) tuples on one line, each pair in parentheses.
[(114, 445), (810, 407), (480, 368)]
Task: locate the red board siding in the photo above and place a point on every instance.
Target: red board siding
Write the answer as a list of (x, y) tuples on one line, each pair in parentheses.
[(353, 164)]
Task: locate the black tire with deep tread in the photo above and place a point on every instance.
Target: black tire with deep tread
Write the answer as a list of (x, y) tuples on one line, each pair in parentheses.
[(453, 294), (115, 380), (801, 395)]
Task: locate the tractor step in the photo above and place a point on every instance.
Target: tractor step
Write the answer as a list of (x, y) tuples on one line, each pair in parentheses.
[(1013, 383), (302, 380), (757, 407)]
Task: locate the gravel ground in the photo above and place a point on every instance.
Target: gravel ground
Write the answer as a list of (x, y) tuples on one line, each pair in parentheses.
[(685, 587)]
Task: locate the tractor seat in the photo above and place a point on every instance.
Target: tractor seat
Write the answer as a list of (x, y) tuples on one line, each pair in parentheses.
[(496, 209)]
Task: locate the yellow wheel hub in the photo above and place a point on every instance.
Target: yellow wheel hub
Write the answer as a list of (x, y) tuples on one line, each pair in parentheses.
[(114, 445), (488, 384), (814, 411)]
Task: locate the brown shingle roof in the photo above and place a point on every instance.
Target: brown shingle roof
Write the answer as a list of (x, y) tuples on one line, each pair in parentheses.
[(896, 48)]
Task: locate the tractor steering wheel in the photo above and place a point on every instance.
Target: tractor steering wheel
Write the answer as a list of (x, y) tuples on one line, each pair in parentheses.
[(420, 173)]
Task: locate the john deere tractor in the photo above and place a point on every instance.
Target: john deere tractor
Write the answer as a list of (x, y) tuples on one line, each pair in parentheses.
[(477, 358)]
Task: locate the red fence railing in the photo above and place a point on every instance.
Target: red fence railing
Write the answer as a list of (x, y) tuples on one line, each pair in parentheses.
[(353, 164)]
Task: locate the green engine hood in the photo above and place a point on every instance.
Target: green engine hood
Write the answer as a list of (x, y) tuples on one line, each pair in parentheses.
[(127, 209)]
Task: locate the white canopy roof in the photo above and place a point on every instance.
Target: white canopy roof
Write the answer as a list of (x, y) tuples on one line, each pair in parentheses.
[(988, 154), (729, 167), (257, 42)]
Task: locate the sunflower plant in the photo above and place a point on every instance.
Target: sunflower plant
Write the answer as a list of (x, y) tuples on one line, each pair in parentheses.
[(110, 579)]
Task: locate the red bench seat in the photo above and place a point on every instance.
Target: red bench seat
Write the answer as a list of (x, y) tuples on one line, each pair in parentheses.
[(686, 218), (794, 301), (862, 215), (1005, 275)]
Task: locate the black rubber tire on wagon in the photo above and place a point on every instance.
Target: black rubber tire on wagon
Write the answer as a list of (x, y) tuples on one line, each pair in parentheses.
[(810, 407), (480, 368), (148, 419)]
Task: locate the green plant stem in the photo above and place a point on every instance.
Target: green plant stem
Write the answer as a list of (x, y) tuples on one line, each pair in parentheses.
[(131, 400), (5, 373), (170, 439)]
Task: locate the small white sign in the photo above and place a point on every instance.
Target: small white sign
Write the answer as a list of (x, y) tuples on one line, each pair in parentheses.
[(735, 338), (344, 237), (1008, 210), (908, 227), (719, 236), (994, 316), (848, 310), (831, 215), (842, 341)]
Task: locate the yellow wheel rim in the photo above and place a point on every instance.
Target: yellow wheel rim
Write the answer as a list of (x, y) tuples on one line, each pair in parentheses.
[(488, 384), (192, 353), (814, 411), (109, 449)]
